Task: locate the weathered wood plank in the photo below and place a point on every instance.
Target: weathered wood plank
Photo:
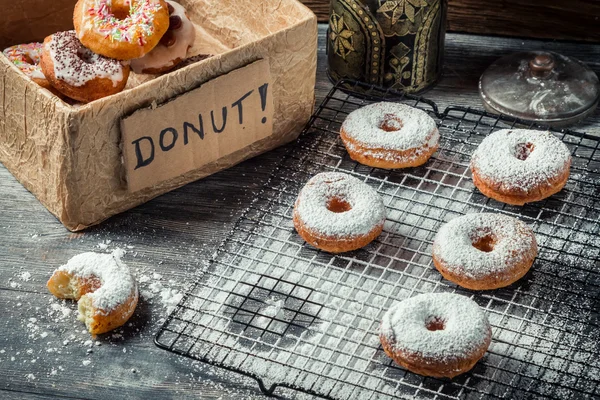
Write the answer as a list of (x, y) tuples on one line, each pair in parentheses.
[(566, 20)]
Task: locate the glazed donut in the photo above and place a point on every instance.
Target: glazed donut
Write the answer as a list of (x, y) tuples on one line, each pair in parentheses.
[(436, 334), (390, 135), (120, 29), (173, 46), (337, 212), (106, 290), (27, 58), (484, 251), (77, 72), (518, 166)]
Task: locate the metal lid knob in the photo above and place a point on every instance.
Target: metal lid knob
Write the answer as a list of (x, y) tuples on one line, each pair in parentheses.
[(541, 65)]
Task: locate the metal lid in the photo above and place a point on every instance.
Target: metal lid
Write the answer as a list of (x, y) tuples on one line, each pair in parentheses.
[(540, 86)]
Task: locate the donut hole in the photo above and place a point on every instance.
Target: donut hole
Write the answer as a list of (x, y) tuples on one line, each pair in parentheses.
[(337, 205), (390, 123), (523, 150), (28, 60), (120, 13), (85, 55), (485, 242), (435, 324)]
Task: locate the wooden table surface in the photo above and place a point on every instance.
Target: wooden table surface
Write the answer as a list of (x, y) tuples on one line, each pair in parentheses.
[(46, 353)]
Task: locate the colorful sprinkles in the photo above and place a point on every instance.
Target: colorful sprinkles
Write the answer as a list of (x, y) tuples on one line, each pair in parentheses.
[(138, 25), (27, 58)]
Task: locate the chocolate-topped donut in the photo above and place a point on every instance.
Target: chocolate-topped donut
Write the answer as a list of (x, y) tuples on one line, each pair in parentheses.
[(390, 135), (173, 46), (79, 73)]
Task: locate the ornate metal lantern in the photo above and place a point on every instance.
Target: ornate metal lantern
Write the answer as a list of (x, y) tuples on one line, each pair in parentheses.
[(390, 43)]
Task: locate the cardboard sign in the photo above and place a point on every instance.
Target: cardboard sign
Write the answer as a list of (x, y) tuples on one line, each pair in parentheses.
[(220, 117)]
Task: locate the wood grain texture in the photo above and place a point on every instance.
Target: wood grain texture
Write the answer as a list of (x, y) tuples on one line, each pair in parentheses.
[(172, 235), (554, 19)]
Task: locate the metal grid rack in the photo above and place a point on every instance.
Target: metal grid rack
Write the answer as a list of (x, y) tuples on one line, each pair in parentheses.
[(271, 307)]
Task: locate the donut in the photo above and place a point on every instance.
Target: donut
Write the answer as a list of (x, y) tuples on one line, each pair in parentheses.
[(436, 334), (518, 166), (106, 291), (390, 135), (173, 46), (27, 58), (336, 212), (120, 29), (79, 73), (484, 251)]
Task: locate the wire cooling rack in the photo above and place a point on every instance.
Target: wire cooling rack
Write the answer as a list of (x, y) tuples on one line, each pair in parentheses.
[(273, 308)]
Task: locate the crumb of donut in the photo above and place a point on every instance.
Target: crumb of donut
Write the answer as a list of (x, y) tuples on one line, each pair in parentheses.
[(86, 311)]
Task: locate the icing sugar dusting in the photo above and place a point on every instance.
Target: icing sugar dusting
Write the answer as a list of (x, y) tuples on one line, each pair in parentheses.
[(418, 152), (453, 244), (367, 209), (466, 327), (116, 280), (499, 158), (76, 65), (415, 126)]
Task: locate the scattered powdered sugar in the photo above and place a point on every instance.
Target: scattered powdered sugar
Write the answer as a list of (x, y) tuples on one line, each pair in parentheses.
[(25, 276), (117, 283), (76, 65), (273, 310), (367, 209), (466, 326), (453, 244), (520, 159), (60, 310), (153, 288), (364, 126)]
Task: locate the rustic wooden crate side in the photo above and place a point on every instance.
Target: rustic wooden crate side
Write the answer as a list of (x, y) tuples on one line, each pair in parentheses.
[(97, 186), (33, 134)]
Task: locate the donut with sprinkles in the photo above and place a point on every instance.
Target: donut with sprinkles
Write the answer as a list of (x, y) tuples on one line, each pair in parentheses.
[(173, 46), (79, 73), (26, 57), (121, 29)]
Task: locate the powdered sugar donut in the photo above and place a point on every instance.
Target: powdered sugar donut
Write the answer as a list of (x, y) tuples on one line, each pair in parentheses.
[(102, 283), (173, 46), (390, 135), (120, 29), (336, 212), (79, 73), (436, 334), (518, 166), (484, 251)]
